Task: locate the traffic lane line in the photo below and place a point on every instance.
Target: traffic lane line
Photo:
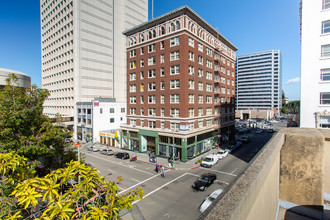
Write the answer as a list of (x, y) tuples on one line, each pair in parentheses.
[(130, 167), (218, 171)]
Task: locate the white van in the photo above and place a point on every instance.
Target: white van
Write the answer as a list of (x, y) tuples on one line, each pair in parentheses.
[(209, 161)]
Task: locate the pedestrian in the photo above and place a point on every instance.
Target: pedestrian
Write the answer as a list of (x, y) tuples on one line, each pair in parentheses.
[(157, 168), (162, 170), (149, 153)]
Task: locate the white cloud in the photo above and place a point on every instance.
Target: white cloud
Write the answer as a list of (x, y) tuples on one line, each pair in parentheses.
[(294, 80)]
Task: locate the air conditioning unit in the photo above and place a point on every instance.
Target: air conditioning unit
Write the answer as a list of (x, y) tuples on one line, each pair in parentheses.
[(134, 126)]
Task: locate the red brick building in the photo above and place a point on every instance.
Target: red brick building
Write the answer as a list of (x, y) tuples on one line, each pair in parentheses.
[(180, 86)]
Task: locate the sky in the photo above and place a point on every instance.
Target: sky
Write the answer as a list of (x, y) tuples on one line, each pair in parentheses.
[(251, 25)]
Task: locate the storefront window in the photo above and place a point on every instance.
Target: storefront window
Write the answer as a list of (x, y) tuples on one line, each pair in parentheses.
[(191, 152), (134, 145)]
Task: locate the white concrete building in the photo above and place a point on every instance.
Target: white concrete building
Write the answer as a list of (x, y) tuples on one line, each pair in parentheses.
[(259, 81), (83, 50), (315, 64), (23, 79), (101, 115)]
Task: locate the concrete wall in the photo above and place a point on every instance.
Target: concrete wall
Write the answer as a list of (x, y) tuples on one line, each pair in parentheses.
[(301, 176), (255, 194), (326, 158)]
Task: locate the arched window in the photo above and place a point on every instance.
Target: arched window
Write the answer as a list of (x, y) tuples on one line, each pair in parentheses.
[(154, 33), (177, 25), (189, 25), (162, 30), (134, 40), (141, 37), (172, 27), (150, 35)]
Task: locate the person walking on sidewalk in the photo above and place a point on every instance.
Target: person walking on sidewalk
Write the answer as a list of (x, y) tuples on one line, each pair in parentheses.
[(162, 168), (157, 168)]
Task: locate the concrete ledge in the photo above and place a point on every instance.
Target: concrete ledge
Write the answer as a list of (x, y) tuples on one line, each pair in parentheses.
[(255, 194)]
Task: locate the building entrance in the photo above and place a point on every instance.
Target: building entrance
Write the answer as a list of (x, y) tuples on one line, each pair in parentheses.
[(151, 144)]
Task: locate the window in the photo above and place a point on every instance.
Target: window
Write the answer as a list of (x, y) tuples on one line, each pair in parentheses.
[(191, 70), (223, 90), (175, 41), (228, 91), (162, 85), (325, 50), (152, 124), (191, 112), (208, 99), (151, 48), (162, 45), (162, 112), (175, 84), (191, 84), (209, 64), (112, 120), (132, 122), (151, 61), (208, 51), (142, 87), (223, 70), (209, 123), (191, 126), (175, 98), (325, 74), (200, 111), (132, 65), (191, 99), (208, 111), (325, 98), (162, 99), (142, 111), (132, 53), (325, 27), (152, 99), (233, 92), (223, 100), (101, 110), (228, 72), (200, 60), (232, 65), (191, 56), (132, 76), (228, 62), (200, 47), (141, 75), (200, 86), (175, 55), (162, 58), (133, 111), (142, 99), (209, 87), (216, 55), (200, 73), (223, 60), (175, 126), (233, 83), (175, 112), (228, 82), (200, 99), (122, 110), (152, 111), (325, 4), (172, 27), (162, 72), (132, 99), (141, 50), (162, 125), (191, 42), (152, 86), (142, 63), (175, 70), (232, 73), (132, 88), (152, 73), (142, 123), (141, 37), (208, 75)]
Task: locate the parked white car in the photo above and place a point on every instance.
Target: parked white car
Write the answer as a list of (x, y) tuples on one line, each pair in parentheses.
[(222, 154), (209, 160), (208, 200)]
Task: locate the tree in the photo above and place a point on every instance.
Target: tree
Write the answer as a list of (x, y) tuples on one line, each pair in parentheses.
[(75, 191), (291, 108), (24, 128)]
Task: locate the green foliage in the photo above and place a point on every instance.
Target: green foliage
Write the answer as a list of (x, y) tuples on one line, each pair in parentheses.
[(291, 108), (75, 191), (24, 128)]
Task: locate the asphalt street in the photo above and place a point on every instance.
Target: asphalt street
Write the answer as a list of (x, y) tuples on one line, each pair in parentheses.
[(173, 197)]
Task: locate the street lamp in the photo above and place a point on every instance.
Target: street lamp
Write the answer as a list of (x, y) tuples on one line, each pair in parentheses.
[(173, 165)]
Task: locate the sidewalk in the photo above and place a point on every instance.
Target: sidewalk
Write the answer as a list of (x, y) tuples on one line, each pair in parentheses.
[(190, 164)]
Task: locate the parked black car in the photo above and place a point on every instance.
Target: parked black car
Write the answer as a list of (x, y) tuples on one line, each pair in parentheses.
[(122, 155), (204, 181)]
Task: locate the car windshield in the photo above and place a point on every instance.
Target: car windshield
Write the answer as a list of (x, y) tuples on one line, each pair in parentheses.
[(207, 159), (203, 179), (221, 152)]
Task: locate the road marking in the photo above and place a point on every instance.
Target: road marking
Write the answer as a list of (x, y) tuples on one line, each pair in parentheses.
[(140, 183), (230, 174), (135, 180), (160, 187), (121, 164), (234, 170), (131, 166)]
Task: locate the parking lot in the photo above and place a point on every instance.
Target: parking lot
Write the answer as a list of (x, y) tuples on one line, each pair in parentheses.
[(173, 197)]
